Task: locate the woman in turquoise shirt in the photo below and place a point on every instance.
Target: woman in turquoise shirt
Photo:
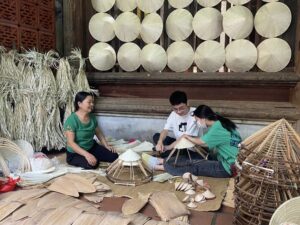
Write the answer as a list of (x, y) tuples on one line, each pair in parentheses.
[(80, 129), (222, 137)]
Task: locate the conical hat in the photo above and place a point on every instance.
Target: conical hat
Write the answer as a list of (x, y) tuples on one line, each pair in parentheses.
[(241, 55), (238, 2), (26, 147), (272, 19), (127, 26), (151, 28), (126, 5), (149, 6), (154, 58), (129, 56), (103, 6), (270, 0), (102, 56), (208, 3), (210, 56), (180, 56), (273, 55), (130, 158), (184, 143), (179, 4), (179, 24), (238, 22), (101, 27), (207, 23)]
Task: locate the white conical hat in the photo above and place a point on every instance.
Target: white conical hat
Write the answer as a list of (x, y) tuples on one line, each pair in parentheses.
[(26, 147), (149, 6), (126, 5), (151, 28), (208, 3), (184, 143), (272, 19), (154, 58), (274, 54), (129, 158), (238, 2), (180, 56), (102, 56), (179, 24), (207, 23), (210, 56), (129, 56), (127, 26), (270, 0), (179, 4), (101, 27), (241, 55), (103, 5), (238, 22)]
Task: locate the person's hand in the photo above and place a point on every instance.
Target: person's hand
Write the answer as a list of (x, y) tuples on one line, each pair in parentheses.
[(159, 147), (111, 148), (91, 159)]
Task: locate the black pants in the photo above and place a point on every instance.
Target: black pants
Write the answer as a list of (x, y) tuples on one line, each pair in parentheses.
[(168, 140), (99, 151)]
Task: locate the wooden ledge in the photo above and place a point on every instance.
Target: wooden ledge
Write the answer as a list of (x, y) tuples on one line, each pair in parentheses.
[(249, 110), (248, 78)]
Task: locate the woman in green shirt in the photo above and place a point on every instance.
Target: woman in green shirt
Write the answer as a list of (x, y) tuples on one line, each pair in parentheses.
[(221, 137), (80, 128)]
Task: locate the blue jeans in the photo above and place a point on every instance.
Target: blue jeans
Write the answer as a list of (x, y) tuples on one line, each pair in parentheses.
[(198, 167)]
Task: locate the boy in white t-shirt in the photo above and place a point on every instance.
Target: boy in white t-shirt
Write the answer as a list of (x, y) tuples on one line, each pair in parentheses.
[(180, 122)]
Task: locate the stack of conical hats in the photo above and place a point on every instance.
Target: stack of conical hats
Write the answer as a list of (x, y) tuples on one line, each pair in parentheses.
[(269, 176)]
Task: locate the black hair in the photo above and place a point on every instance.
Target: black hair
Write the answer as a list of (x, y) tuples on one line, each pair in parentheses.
[(80, 96), (178, 97), (205, 112)]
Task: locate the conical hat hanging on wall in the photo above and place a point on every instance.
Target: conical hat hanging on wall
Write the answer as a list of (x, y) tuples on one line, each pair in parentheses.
[(210, 56), (180, 56), (103, 6), (272, 19), (149, 6), (151, 28), (101, 27), (102, 56), (179, 24), (238, 2), (126, 5), (207, 23), (179, 4), (129, 56), (153, 58), (127, 26), (273, 55), (208, 3), (270, 0), (241, 55), (238, 22)]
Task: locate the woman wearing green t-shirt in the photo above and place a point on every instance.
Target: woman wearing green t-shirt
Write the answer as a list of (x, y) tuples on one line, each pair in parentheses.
[(221, 137), (80, 128)]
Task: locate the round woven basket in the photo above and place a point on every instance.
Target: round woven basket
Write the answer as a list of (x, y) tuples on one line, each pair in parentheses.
[(287, 213)]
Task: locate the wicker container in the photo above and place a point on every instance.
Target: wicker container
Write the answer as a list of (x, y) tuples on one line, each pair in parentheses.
[(269, 175)]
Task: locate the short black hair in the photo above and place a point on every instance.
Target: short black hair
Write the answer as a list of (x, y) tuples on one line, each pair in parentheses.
[(80, 96), (178, 97)]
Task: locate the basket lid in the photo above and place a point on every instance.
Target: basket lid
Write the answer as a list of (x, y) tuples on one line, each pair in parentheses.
[(238, 22), (272, 59), (272, 19), (99, 23), (240, 61), (129, 57), (210, 56), (207, 23), (102, 56), (180, 56)]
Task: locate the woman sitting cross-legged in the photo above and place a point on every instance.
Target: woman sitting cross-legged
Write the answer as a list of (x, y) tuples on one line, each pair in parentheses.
[(80, 128), (222, 137)]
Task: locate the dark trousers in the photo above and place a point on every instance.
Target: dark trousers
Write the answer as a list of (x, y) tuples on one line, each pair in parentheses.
[(168, 140), (99, 151)]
